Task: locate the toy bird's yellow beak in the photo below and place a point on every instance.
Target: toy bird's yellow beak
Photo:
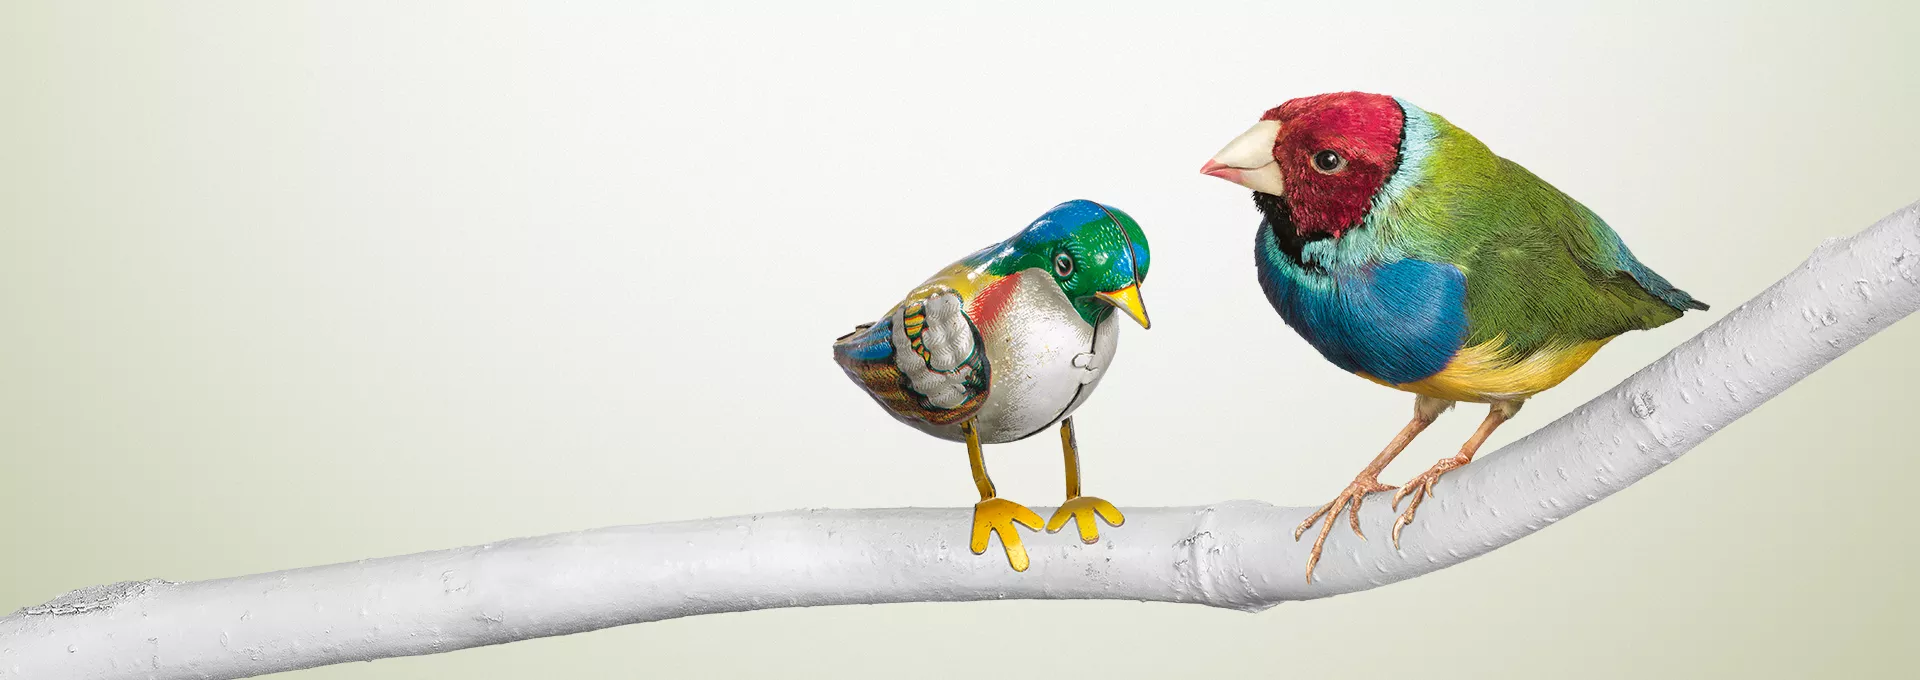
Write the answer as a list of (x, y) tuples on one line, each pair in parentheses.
[(1127, 300), (1248, 160)]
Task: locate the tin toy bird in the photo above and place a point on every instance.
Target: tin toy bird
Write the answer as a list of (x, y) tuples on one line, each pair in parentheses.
[(1407, 253), (1003, 344)]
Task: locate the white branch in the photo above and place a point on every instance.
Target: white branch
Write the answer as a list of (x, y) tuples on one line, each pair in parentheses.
[(1239, 554)]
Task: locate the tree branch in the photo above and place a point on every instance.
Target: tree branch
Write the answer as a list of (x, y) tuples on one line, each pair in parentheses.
[(1239, 554)]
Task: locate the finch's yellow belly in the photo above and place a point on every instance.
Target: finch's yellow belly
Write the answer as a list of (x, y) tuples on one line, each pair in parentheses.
[(1483, 373)]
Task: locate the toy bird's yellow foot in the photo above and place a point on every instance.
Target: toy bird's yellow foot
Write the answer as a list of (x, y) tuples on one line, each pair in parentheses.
[(998, 515), (1081, 510), (1419, 489), (1350, 500)]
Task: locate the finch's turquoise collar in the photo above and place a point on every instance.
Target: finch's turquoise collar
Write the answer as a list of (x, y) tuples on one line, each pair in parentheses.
[(1417, 138)]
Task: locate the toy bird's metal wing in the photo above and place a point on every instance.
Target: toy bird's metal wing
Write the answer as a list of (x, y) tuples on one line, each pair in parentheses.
[(925, 360)]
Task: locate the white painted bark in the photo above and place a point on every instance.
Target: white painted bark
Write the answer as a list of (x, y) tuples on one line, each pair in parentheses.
[(1238, 554)]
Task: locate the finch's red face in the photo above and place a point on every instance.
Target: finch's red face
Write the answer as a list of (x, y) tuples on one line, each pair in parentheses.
[(1327, 156)]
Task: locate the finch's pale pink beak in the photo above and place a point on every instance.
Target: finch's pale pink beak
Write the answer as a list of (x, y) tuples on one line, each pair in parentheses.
[(1248, 160), (1221, 170)]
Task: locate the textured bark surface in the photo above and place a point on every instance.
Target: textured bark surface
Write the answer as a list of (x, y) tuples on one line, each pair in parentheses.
[(1238, 554)]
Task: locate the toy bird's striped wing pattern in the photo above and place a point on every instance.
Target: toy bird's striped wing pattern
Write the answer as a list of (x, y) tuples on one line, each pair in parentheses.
[(925, 360)]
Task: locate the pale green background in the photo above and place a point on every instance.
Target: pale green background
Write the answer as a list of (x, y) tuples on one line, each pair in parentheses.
[(285, 284)]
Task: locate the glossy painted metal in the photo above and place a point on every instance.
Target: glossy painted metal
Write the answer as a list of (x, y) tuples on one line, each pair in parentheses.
[(1046, 361), (993, 349)]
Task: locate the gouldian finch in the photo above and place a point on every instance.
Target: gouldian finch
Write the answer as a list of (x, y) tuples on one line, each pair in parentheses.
[(1407, 253), (1006, 342)]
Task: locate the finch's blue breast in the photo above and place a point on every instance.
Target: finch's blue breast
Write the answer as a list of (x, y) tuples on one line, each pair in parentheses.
[(1400, 321)]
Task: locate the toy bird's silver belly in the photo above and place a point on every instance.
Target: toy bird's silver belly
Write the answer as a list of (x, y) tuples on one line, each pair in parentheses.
[(1045, 361)]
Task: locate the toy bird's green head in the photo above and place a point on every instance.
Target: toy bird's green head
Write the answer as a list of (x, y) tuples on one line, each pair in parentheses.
[(1095, 253)]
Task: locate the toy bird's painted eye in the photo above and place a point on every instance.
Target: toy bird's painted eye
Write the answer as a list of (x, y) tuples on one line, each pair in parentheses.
[(1328, 162), (1063, 265)]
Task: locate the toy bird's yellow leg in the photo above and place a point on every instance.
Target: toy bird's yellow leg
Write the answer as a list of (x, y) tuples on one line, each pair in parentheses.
[(1421, 488), (993, 514), (1425, 411), (1080, 509), (978, 460)]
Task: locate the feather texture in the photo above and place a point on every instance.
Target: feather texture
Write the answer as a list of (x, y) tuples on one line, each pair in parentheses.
[(1400, 321), (1468, 278)]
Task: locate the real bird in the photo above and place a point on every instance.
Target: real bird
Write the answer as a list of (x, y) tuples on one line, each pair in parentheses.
[(1409, 254), (1006, 342)]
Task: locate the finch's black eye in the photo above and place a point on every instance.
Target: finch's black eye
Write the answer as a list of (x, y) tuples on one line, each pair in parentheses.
[(1063, 265), (1328, 162)]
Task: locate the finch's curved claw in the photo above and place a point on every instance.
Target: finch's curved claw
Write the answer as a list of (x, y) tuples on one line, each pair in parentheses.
[(1348, 500), (998, 515), (1081, 510), (1419, 489)]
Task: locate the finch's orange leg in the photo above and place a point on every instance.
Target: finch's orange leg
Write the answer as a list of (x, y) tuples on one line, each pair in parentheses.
[(1421, 488), (1425, 411)]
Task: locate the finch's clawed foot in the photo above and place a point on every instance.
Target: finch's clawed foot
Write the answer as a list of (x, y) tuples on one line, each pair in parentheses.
[(1419, 489), (1349, 500), (999, 515), (1082, 509)]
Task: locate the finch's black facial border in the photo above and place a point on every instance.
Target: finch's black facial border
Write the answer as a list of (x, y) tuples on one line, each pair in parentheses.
[(1280, 220)]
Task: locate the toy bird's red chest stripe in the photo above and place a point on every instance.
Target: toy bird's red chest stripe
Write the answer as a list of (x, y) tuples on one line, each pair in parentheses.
[(986, 305)]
